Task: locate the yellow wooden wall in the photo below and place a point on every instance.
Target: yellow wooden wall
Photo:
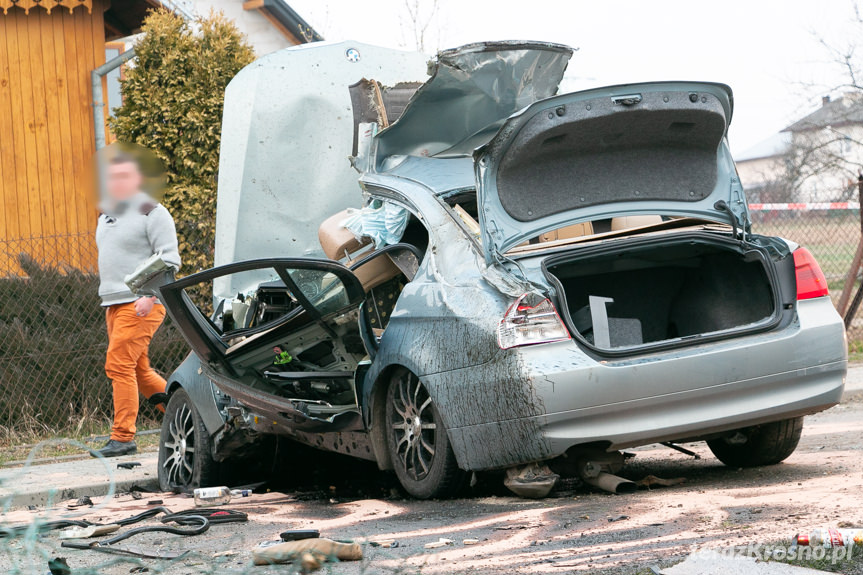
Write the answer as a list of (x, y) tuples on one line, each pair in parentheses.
[(46, 134)]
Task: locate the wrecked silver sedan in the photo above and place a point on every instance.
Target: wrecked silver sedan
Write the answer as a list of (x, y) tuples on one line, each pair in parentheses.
[(523, 280)]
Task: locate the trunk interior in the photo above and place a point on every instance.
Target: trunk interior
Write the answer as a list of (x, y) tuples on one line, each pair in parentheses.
[(649, 293)]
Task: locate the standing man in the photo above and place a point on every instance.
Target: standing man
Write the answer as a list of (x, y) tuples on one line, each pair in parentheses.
[(131, 228)]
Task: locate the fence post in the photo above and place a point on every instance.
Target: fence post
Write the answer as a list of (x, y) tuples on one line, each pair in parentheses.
[(848, 315)]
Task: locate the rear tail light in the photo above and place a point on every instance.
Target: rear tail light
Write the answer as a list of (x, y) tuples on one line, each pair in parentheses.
[(526, 324), (810, 279)]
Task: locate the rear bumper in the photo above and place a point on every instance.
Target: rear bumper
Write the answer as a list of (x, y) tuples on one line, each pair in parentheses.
[(692, 392)]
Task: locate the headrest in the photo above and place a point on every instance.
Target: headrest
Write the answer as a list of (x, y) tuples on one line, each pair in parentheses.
[(336, 240)]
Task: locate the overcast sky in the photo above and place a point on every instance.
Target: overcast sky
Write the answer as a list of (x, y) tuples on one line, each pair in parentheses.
[(766, 50)]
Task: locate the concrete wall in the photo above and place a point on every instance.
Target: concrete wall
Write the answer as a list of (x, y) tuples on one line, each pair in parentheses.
[(263, 35)]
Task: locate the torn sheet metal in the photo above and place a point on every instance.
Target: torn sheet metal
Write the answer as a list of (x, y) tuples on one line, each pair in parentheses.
[(286, 141), (472, 91)]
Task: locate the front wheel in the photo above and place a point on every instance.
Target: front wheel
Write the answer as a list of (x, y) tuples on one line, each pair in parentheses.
[(765, 444), (417, 440), (185, 450)]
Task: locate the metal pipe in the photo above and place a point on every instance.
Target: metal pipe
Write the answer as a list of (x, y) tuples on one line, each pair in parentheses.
[(99, 94), (611, 483)]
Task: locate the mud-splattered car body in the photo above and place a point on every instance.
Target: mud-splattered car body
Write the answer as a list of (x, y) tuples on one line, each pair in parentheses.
[(511, 359)]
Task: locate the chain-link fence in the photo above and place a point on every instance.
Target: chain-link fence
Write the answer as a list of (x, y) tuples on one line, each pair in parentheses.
[(53, 339), (831, 234)]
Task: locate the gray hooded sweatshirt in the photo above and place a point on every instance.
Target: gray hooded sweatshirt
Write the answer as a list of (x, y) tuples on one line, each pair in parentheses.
[(126, 237)]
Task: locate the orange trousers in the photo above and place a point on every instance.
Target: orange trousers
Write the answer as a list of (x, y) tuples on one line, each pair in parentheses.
[(128, 365)]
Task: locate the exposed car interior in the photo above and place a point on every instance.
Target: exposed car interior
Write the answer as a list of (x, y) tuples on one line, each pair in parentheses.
[(273, 344), (464, 205)]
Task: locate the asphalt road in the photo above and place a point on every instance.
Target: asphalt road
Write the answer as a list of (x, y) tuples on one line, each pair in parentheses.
[(572, 531)]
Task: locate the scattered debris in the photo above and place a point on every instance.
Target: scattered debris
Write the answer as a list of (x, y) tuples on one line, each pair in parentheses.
[(140, 489), (288, 551), (140, 569), (470, 542), (299, 534), (129, 465), (155, 502), (533, 481), (442, 542), (309, 562), (58, 566), (196, 521), (228, 553), (206, 496), (136, 496), (87, 532), (681, 449), (385, 544), (214, 516), (830, 537), (82, 502), (617, 518), (651, 480)]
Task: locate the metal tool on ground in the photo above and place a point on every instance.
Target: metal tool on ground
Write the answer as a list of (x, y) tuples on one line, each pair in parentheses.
[(681, 449), (323, 549)]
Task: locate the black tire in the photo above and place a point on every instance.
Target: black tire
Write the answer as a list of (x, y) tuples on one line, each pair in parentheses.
[(418, 443), (185, 450), (766, 444)]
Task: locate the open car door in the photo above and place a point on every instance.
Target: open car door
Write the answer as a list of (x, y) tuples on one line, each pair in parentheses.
[(278, 335)]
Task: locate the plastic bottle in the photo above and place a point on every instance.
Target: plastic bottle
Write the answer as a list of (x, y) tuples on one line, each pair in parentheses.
[(206, 496), (831, 537), (241, 492)]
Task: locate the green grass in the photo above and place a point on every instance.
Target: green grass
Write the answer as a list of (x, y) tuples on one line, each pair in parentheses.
[(21, 449)]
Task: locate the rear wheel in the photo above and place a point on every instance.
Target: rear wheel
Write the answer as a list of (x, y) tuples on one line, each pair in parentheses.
[(185, 450), (766, 444), (417, 439)]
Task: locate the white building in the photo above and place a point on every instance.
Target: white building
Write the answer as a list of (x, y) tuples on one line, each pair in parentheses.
[(815, 159)]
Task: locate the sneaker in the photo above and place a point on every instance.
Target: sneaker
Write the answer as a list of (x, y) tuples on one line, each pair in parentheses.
[(115, 449)]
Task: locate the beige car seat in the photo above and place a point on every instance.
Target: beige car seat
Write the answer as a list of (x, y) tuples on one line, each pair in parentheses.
[(339, 243), (573, 231), (629, 222)]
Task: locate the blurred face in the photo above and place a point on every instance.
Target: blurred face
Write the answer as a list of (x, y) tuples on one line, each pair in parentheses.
[(124, 180)]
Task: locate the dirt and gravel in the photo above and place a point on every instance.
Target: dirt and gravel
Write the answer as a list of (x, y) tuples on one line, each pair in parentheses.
[(575, 530)]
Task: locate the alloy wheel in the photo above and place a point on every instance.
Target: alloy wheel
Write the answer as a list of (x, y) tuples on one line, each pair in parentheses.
[(413, 426), (179, 462)]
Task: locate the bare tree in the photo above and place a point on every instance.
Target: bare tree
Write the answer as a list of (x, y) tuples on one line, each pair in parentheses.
[(825, 153), (817, 158), (421, 15)]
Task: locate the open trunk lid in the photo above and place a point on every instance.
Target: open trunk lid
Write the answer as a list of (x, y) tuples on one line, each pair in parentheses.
[(656, 148)]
